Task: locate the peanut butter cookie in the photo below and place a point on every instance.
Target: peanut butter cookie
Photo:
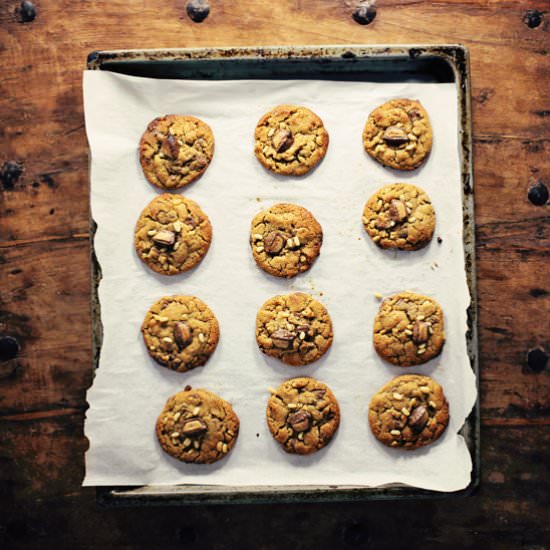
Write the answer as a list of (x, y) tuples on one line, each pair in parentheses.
[(290, 140), (409, 412), (285, 239), (302, 415), (401, 216), (197, 426), (175, 150), (172, 234), (294, 328), (398, 134), (180, 332), (408, 329)]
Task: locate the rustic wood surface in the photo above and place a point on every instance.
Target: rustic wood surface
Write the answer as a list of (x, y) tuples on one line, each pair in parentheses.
[(45, 276)]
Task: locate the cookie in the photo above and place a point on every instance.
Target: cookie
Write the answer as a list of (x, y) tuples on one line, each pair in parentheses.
[(294, 328), (180, 332), (172, 234), (398, 134), (302, 415), (197, 426), (400, 216), (175, 150), (409, 412), (285, 239), (408, 329), (290, 140)]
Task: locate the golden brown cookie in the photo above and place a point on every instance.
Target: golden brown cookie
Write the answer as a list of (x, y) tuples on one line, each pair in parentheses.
[(398, 134), (180, 332), (172, 234), (285, 239), (294, 328), (175, 150), (409, 412), (290, 140), (197, 426), (401, 216), (408, 329), (302, 415)]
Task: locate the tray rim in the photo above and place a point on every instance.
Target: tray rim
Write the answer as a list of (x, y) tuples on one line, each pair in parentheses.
[(457, 56)]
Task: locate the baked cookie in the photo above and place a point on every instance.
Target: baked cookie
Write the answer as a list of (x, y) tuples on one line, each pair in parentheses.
[(175, 150), (197, 426), (409, 412), (285, 239), (398, 134), (180, 332), (408, 329), (290, 140), (172, 234), (294, 328), (302, 415), (401, 216)]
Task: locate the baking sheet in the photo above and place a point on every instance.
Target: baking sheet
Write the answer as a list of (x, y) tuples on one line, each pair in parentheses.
[(130, 389)]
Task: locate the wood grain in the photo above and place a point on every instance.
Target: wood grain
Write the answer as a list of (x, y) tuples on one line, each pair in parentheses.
[(44, 271)]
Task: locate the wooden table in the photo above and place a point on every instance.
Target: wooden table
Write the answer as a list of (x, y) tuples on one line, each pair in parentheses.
[(45, 276)]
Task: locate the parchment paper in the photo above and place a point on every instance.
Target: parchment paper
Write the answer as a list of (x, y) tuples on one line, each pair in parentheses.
[(129, 389)]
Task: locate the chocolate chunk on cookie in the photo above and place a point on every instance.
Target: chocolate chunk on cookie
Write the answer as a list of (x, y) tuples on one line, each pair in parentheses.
[(180, 332), (172, 234), (408, 329), (285, 239), (290, 140), (409, 412), (175, 150), (398, 134), (197, 426), (400, 216), (294, 328), (302, 415)]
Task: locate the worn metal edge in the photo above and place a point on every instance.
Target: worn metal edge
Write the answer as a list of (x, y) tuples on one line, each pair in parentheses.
[(457, 56)]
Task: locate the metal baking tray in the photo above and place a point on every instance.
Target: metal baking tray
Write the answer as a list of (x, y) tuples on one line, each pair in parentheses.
[(404, 63)]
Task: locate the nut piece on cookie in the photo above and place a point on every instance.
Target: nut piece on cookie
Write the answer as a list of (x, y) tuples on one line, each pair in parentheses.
[(285, 239), (294, 328), (175, 150), (409, 412), (399, 215), (398, 134), (197, 426), (290, 140), (165, 241), (408, 329), (180, 332), (302, 415)]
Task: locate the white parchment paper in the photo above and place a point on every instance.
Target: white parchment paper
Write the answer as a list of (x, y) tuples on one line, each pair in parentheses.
[(129, 389)]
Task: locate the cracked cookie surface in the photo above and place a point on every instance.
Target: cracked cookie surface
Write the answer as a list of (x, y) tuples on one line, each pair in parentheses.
[(398, 134), (197, 426), (399, 215), (294, 328), (175, 150), (409, 412), (290, 140), (408, 329), (180, 332), (285, 239), (302, 415), (172, 234)]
